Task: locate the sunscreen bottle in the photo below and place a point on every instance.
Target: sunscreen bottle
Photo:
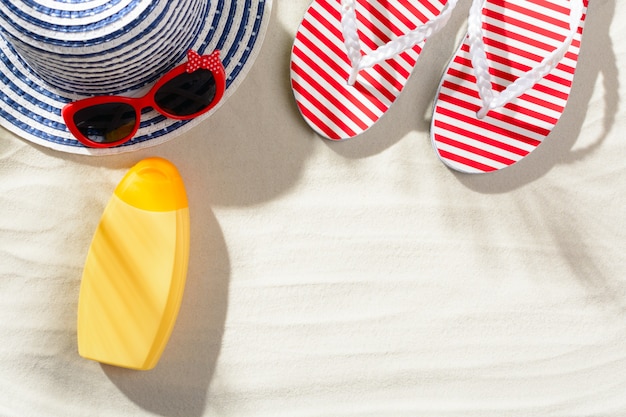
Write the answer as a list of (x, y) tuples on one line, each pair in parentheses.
[(136, 267)]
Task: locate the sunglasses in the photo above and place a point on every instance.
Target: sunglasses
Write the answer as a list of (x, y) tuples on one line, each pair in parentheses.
[(185, 92)]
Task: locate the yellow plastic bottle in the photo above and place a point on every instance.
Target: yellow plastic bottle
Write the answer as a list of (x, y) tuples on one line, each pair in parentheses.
[(136, 267)]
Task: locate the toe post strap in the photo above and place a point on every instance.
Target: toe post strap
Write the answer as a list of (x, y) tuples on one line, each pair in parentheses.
[(492, 99), (360, 61)]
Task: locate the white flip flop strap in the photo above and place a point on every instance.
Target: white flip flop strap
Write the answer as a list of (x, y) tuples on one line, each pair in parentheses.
[(394, 47), (490, 98)]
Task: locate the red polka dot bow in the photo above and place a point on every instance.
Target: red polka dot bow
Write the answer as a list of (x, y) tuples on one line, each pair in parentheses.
[(196, 61)]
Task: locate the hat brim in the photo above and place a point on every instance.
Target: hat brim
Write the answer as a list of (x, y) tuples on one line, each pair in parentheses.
[(31, 108)]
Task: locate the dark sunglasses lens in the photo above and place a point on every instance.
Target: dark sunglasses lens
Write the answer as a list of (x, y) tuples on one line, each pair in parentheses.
[(106, 123), (187, 93)]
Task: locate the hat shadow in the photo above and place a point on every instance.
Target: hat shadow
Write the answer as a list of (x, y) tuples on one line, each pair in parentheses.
[(247, 152), (179, 383)]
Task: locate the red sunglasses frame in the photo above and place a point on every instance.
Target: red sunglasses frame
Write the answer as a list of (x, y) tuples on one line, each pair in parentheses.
[(194, 63)]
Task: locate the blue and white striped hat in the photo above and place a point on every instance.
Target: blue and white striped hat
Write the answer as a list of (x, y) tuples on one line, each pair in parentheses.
[(56, 51)]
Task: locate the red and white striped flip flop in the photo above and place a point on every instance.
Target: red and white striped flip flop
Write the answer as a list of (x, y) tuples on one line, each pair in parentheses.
[(351, 59), (508, 84)]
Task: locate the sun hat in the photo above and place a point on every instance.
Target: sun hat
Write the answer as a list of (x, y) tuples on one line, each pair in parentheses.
[(53, 52)]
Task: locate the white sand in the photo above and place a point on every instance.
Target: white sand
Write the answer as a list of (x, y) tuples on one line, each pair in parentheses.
[(344, 279)]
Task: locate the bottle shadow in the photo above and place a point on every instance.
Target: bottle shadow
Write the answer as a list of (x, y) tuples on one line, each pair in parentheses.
[(178, 385)]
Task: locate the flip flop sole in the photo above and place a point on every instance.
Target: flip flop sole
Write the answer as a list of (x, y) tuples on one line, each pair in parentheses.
[(320, 66), (517, 35)]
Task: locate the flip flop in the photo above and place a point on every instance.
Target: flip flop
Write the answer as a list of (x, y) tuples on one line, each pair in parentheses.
[(509, 82), (351, 59)]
